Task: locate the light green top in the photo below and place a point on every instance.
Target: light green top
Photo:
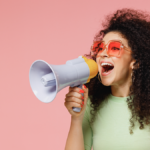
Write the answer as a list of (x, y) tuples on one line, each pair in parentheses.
[(110, 130)]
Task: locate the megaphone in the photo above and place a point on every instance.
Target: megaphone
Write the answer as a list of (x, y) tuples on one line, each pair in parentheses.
[(47, 80)]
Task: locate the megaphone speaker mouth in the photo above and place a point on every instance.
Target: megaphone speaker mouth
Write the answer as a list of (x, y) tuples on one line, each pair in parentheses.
[(43, 81)]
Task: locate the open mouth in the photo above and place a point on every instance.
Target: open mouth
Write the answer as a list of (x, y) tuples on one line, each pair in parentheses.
[(107, 68)]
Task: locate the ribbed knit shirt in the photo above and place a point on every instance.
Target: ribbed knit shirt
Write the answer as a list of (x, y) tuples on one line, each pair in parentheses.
[(110, 130)]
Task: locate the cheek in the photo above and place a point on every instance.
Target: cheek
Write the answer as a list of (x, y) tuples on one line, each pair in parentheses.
[(118, 64), (98, 55), (121, 65), (98, 60), (98, 63)]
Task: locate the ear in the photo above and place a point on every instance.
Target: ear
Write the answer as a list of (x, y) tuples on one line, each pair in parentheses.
[(132, 63)]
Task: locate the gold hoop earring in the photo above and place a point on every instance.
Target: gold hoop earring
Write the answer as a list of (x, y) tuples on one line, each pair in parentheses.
[(99, 78)]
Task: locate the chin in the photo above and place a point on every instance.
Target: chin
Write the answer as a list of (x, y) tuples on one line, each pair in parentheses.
[(106, 82)]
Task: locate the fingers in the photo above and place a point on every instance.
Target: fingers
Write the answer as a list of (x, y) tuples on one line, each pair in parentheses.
[(74, 96), (85, 89), (76, 92), (70, 105), (73, 99)]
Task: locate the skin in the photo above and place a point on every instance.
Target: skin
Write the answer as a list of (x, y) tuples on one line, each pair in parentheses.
[(120, 78)]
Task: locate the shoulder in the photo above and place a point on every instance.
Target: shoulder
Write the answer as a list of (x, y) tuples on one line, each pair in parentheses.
[(88, 105), (89, 108)]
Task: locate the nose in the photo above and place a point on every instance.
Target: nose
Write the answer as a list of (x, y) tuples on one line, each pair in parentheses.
[(104, 53)]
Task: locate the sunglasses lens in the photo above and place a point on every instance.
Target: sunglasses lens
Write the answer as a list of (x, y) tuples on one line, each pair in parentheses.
[(96, 46), (101, 46), (114, 48)]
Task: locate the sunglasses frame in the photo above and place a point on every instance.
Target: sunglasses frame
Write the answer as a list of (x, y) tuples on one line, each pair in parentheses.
[(106, 47)]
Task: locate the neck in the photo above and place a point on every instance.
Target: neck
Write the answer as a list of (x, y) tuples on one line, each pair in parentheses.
[(121, 89)]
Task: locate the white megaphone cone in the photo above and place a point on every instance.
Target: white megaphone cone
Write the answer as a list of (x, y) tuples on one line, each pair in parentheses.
[(47, 80)]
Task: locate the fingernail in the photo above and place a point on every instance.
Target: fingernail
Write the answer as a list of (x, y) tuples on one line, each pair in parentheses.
[(83, 103), (84, 86), (82, 97), (81, 91), (81, 106)]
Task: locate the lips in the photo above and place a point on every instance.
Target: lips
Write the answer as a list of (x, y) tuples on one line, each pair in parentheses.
[(106, 62), (106, 70)]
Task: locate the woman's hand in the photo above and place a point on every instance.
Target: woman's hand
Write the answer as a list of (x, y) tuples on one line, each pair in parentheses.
[(75, 99)]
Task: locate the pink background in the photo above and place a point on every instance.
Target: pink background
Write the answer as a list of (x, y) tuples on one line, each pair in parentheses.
[(54, 31)]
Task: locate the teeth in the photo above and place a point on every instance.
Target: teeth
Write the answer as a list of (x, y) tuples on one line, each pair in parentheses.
[(102, 64)]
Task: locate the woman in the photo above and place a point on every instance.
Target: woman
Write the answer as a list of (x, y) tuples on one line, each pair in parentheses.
[(115, 112)]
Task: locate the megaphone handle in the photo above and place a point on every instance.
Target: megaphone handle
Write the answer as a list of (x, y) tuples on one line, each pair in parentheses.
[(76, 109)]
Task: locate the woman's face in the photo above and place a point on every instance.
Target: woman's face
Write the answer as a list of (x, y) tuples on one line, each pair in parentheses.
[(121, 72)]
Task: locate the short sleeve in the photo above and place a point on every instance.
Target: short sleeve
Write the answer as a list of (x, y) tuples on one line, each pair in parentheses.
[(86, 128)]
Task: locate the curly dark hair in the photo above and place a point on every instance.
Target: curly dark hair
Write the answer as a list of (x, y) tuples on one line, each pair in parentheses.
[(134, 25)]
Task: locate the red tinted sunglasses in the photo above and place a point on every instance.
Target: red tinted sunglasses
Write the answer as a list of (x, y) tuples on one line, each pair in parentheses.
[(113, 48)]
